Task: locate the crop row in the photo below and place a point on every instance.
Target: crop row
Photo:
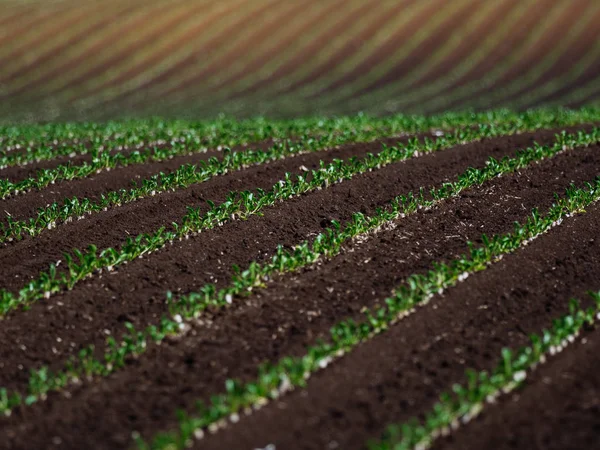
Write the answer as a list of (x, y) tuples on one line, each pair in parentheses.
[(212, 134), (315, 134), (80, 265), (429, 97), (466, 401), (70, 139), (464, 97), (82, 75), (184, 82), (291, 372), (327, 244), (132, 132), (106, 160), (188, 175), (408, 92), (260, 69), (359, 92), (94, 139), (352, 63)]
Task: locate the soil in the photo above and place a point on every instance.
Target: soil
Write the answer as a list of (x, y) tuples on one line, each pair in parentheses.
[(565, 61), (20, 173), (400, 374), (99, 83), (157, 56), (264, 58), (562, 400), (205, 258), (289, 67), (436, 40), (128, 98), (93, 28), (353, 399), (390, 378), (145, 215), (437, 36)]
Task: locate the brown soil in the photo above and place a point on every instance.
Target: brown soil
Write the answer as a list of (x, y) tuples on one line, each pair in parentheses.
[(155, 57), (198, 55), (37, 97), (24, 205), (436, 40), (300, 56), (274, 53), (562, 400), (136, 46), (400, 374), (417, 56), (588, 78), (93, 28), (287, 224), (517, 33), (22, 18), (35, 22), (352, 45), (565, 62), (296, 309)]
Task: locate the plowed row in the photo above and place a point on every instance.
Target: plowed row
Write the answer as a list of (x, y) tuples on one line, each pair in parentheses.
[(389, 376), (200, 58)]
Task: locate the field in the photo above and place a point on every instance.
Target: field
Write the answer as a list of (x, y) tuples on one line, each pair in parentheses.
[(354, 282), (67, 59), (317, 224)]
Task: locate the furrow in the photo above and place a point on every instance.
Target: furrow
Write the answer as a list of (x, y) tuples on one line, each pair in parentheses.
[(326, 49), (40, 176), (180, 137), (37, 37), (79, 265), (342, 55), (148, 214), (585, 95), (568, 81), (93, 49), (213, 88), (349, 80), (399, 372), (440, 87), (487, 76), (406, 84), (289, 335), (578, 57), (194, 304), (49, 212), (204, 100), (155, 59), (467, 401), (232, 31), (243, 10), (557, 407), (108, 301), (104, 161), (48, 64), (18, 225), (117, 46), (535, 73), (569, 91)]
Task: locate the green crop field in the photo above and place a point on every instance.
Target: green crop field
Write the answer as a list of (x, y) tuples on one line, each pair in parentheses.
[(299, 225)]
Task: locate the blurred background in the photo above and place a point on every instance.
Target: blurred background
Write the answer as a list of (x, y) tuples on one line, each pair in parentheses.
[(96, 60)]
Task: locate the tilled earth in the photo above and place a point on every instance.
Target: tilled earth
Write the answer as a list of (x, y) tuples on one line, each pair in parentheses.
[(388, 379)]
